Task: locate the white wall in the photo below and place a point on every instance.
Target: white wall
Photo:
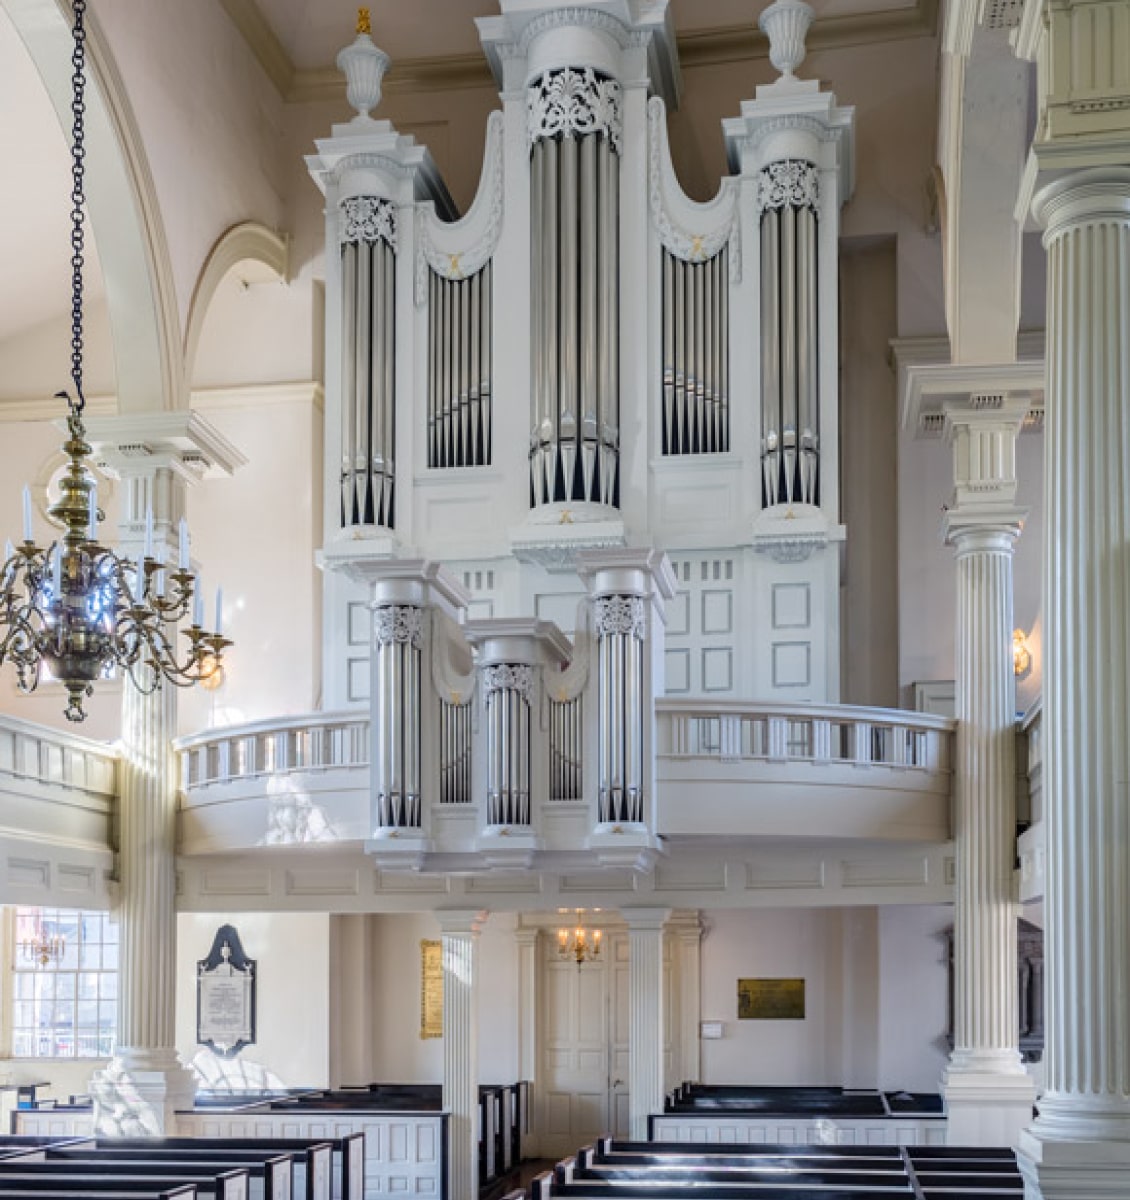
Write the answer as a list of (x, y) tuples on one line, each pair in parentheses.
[(292, 1015), (875, 990), (913, 1003)]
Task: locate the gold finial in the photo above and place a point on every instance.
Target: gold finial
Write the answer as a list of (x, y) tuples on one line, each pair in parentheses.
[(363, 25)]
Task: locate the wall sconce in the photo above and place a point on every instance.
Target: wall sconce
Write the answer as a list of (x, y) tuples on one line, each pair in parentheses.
[(1021, 655)]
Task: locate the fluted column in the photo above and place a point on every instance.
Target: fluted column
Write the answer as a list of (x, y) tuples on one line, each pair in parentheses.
[(645, 1017), (460, 935), (140, 1091), (1080, 1144), (989, 1096), (528, 1009)]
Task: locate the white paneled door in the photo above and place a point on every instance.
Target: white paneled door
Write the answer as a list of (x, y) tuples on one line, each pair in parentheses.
[(582, 1082)]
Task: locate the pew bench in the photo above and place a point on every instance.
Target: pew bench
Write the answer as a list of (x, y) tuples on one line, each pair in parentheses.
[(40, 1179), (267, 1179)]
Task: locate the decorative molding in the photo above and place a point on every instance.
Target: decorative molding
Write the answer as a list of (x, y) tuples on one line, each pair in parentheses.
[(246, 242), (674, 237), (454, 687), (790, 548), (703, 48), (398, 623), (368, 219), (790, 183), (482, 232), (571, 18), (572, 102), (509, 677), (620, 615)]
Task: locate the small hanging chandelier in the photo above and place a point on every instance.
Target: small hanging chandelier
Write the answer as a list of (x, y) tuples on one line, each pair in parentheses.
[(577, 943), (75, 611), (42, 947)]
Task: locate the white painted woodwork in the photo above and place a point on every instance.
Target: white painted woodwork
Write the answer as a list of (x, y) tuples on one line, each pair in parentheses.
[(646, 1028), (459, 950), (801, 1131), (989, 1095), (1078, 1145)]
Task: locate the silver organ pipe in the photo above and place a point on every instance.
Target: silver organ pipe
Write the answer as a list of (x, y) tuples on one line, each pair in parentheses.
[(397, 640), (454, 753), (368, 272), (620, 629), (574, 182), (508, 688), (565, 762), (695, 349), (788, 195), (459, 370)]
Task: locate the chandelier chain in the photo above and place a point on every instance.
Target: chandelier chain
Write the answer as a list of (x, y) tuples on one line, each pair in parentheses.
[(78, 198)]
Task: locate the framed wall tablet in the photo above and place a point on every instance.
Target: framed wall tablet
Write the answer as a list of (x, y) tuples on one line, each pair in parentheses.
[(771, 999), (225, 995)]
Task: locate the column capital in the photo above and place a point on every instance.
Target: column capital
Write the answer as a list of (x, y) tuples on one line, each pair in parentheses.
[(1083, 197), (461, 920), (982, 429), (138, 445), (983, 529)]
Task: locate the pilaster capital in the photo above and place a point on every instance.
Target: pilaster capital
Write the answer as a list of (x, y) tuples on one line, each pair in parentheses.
[(982, 429), (138, 445), (468, 922), (645, 920)]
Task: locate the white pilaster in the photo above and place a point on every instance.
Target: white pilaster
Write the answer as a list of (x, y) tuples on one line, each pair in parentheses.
[(528, 1008), (687, 931), (989, 1095), (1080, 1144), (645, 1016), (460, 936)]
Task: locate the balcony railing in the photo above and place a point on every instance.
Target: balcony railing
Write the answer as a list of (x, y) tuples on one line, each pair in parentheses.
[(733, 731)]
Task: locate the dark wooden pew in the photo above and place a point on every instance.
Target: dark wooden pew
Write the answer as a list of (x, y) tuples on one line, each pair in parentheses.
[(213, 1179), (283, 1175), (38, 1179), (185, 1191), (543, 1188), (334, 1163)]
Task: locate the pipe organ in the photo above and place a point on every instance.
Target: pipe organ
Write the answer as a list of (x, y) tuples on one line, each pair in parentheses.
[(459, 369), (788, 195), (368, 361), (574, 128), (585, 370)]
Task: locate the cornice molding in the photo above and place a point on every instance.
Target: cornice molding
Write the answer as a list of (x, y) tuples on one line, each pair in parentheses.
[(727, 44)]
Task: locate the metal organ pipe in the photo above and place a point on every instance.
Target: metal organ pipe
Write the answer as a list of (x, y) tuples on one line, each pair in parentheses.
[(620, 629), (574, 209), (398, 639), (788, 195), (459, 370), (509, 691), (695, 349), (368, 271)]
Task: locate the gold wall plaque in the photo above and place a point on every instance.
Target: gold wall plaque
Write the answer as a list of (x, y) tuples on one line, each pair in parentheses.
[(771, 999), (431, 989)]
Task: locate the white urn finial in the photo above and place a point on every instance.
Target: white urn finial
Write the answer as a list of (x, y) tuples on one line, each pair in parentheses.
[(785, 23), (363, 64)]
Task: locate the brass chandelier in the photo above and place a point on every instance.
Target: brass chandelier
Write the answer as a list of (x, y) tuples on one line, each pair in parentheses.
[(75, 611), (576, 943)]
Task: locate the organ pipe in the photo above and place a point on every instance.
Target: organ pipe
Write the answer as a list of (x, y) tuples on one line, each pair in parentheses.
[(620, 712), (509, 690), (397, 641), (695, 346), (368, 273), (574, 209), (459, 370), (788, 194)]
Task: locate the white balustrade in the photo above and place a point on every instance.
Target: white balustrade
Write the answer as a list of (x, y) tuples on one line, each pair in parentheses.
[(745, 730), (35, 754), (321, 741)]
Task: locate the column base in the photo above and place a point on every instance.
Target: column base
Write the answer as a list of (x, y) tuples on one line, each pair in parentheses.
[(986, 1107), (140, 1092), (1083, 1170)]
